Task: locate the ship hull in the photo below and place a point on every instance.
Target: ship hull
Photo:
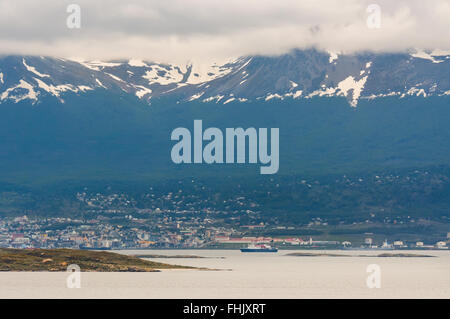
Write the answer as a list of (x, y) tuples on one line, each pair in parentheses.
[(256, 250)]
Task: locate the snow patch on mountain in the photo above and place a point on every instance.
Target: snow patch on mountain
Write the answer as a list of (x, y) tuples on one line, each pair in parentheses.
[(294, 95), (231, 99), (17, 94), (101, 64), (115, 77), (196, 96), (55, 90), (325, 91), (212, 98), (33, 70), (273, 96), (86, 64), (426, 56), (205, 73), (416, 91), (350, 84), (163, 75), (375, 96), (84, 88), (100, 83), (333, 56), (142, 91), (137, 63)]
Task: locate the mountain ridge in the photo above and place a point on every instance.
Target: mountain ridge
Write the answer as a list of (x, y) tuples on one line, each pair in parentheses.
[(298, 74)]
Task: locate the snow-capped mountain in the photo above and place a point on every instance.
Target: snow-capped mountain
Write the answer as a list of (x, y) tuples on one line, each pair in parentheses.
[(64, 120), (297, 75)]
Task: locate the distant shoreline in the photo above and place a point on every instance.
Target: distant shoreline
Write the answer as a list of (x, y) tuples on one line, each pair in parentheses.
[(175, 256), (401, 255), (278, 247)]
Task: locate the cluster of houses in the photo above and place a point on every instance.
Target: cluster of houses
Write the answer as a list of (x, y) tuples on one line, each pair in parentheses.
[(160, 231), (297, 241)]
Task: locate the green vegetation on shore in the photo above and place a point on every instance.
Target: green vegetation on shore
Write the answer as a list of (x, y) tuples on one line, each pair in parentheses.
[(87, 260)]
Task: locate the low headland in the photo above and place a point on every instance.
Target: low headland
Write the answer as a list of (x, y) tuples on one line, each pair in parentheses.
[(87, 260)]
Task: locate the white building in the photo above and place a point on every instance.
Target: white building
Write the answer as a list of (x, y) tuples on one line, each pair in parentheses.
[(441, 245), (346, 244), (398, 243)]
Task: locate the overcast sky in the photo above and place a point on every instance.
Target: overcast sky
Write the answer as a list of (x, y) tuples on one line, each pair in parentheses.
[(180, 30)]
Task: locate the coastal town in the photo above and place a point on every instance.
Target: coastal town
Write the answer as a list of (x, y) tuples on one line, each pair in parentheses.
[(193, 214), (163, 232)]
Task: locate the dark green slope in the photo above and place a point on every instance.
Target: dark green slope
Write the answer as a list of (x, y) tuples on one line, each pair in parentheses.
[(102, 137)]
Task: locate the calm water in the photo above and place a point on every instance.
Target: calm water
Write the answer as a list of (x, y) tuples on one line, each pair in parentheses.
[(261, 275)]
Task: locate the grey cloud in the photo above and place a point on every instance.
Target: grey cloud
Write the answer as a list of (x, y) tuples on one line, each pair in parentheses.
[(202, 29)]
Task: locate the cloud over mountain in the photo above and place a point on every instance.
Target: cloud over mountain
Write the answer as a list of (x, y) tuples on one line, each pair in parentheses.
[(177, 30)]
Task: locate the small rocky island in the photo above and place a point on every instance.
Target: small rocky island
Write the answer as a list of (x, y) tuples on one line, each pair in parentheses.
[(87, 260)]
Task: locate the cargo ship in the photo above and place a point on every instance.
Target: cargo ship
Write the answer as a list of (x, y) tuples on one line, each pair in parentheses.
[(260, 248)]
